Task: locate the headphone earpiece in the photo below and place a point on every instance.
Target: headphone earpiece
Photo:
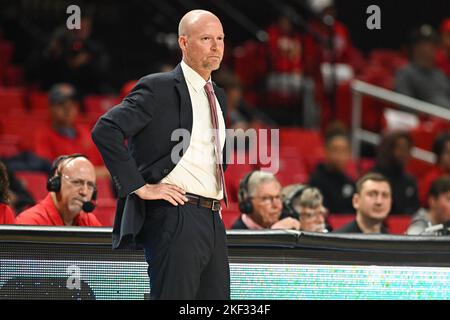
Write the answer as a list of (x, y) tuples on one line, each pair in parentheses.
[(54, 184), (245, 204), (287, 202)]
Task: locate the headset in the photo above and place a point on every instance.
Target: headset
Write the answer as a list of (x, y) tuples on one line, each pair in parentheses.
[(245, 205), (294, 193), (54, 180)]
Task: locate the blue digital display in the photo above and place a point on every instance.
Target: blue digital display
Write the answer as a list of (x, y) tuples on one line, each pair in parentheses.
[(128, 280)]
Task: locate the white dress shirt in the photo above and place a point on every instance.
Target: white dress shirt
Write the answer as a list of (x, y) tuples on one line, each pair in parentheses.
[(196, 170)]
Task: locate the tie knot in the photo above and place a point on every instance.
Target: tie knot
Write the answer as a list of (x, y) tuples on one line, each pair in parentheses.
[(209, 88)]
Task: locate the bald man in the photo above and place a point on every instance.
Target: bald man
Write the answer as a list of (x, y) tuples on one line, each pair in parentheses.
[(170, 205), (63, 204)]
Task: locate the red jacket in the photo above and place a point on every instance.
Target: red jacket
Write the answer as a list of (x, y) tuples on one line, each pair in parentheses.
[(45, 214), (6, 214), (50, 144)]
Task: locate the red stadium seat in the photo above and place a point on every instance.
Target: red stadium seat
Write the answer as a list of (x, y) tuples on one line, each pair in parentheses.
[(35, 182), (105, 212), (39, 102), (104, 188), (398, 224), (99, 104), (12, 100), (309, 144), (233, 174), (338, 220)]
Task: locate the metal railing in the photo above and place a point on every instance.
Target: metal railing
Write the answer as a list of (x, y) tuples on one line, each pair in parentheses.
[(360, 88)]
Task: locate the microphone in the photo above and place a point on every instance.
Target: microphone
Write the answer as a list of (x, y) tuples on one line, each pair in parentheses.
[(88, 206), (440, 229)]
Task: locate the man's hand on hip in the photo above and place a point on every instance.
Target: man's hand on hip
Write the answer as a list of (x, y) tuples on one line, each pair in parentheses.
[(162, 191)]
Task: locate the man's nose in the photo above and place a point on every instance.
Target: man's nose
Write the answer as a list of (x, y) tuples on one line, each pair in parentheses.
[(84, 189)]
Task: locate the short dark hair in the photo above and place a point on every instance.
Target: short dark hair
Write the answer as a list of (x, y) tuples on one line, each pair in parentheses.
[(439, 144), (4, 184), (373, 176), (439, 186), (336, 133)]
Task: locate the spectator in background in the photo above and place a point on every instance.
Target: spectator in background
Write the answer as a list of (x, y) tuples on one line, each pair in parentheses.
[(260, 203), (420, 78), (441, 148), (327, 43), (372, 201), (239, 114), (72, 56), (19, 197), (71, 184), (394, 152), (64, 135), (330, 177), (6, 214), (285, 53), (443, 53), (439, 212), (306, 203)]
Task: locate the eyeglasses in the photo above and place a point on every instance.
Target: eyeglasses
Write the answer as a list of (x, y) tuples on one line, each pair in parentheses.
[(269, 199), (78, 183), (310, 214)]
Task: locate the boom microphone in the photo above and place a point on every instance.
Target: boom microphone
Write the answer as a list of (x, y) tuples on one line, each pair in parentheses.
[(88, 206)]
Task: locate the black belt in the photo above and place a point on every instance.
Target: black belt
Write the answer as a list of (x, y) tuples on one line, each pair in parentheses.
[(209, 203)]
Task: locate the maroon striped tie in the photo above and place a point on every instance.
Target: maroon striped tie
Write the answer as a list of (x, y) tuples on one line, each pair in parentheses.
[(218, 150)]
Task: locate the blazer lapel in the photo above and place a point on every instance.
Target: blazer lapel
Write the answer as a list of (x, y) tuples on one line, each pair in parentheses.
[(185, 100)]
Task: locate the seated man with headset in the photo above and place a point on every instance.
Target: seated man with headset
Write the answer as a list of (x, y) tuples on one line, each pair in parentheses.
[(260, 203), (306, 204), (71, 187)]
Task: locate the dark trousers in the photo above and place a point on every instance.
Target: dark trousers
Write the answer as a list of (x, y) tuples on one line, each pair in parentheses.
[(186, 251)]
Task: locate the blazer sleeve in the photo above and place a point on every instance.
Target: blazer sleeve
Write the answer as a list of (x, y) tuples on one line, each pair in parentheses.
[(114, 127)]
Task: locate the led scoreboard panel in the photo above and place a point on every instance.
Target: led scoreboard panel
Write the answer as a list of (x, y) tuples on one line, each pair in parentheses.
[(78, 263)]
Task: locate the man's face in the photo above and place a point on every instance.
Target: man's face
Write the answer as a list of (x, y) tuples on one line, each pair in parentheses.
[(338, 153), (203, 45), (446, 41), (445, 156), (313, 219), (424, 52), (440, 207), (402, 151), (77, 185), (64, 114), (374, 201), (267, 204)]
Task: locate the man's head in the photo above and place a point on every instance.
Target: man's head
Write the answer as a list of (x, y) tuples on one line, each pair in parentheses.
[(373, 198), (201, 39), (395, 149), (63, 105), (337, 150), (445, 35), (423, 44), (441, 148), (263, 191), (439, 200), (77, 185)]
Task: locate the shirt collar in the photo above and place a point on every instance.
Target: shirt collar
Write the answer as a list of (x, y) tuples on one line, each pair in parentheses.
[(194, 79), (53, 213)]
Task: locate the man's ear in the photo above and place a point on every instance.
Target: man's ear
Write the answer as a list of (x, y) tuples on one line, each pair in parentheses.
[(431, 202), (355, 201), (182, 42)]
